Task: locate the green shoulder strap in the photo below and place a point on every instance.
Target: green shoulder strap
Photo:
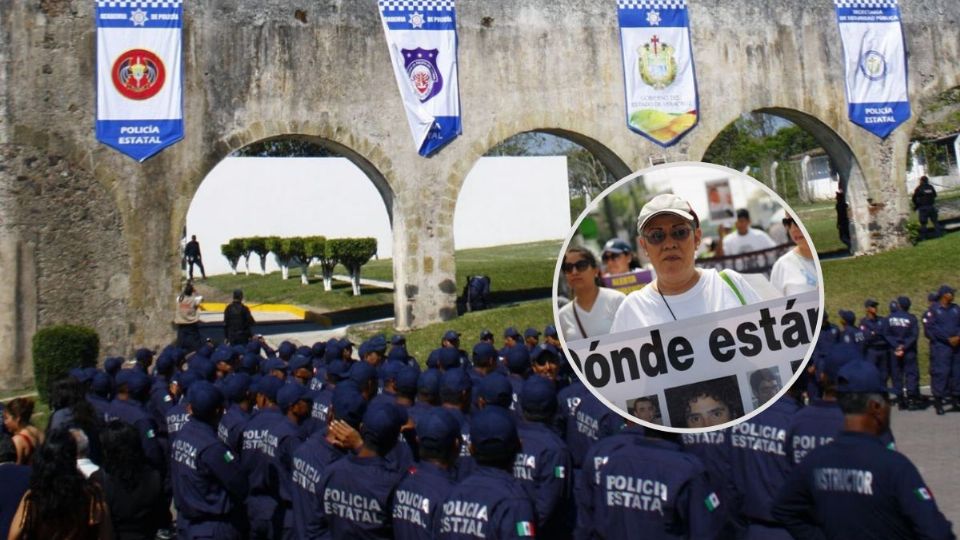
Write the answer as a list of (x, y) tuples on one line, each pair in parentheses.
[(736, 291)]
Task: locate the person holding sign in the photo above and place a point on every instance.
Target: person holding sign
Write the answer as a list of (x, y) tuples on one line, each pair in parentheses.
[(796, 271), (593, 307), (670, 235)]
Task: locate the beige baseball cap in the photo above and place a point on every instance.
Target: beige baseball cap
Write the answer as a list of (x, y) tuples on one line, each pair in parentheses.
[(666, 203)]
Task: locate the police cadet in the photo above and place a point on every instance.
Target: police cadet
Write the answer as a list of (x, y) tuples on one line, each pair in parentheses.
[(826, 339), (366, 379), (874, 328), (643, 485), (255, 460), (850, 339), (924, 200), (945, 350), (208, 486), (855, 487), (312, 458), (455, 392), (545, 362), (407, 386), (902, 333), (282, 440), (544, 464), (99, 395), (518, 365), (417, 499), (494, 389), (511, 338), (177, 415), (582, 420), (236, 390), (428, 394), (484, 361), (388, 378), (531, 338), (451, 339), (128, 407), (490, 503), (758, 452), (357, 489), (713, 449)]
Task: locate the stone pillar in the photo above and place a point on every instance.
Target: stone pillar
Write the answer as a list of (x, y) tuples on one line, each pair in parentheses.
[(18, 310)]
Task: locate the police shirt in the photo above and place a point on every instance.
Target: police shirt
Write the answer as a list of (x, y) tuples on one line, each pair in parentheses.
[(132, 412), (713, 449), (356, 496), (546, 468), (490, 503), (417, 499), (945, 323), (100, 405), (206, 476), (465, 463), (256, 454), (874, 331), (230, 430), (176, 418), (902, 331), (817, 425), (851, 343), (583, 420), (310, 460), (417, 410), (857, 489)]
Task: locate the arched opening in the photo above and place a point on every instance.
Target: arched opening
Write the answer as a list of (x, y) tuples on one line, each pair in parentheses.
[(291, 187), (935, 153), (806, 162), (517, 204)]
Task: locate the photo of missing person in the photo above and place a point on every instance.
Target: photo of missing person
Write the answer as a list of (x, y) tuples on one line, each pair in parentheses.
[(704, 404), (646, 408), (764, 383)]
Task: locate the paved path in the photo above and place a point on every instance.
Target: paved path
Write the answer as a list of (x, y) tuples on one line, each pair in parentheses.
[(365, 281)]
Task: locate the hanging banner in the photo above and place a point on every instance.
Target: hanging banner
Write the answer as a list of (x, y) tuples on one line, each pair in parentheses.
[(422, 38), (658, 74), (875, 65), (139, 90)]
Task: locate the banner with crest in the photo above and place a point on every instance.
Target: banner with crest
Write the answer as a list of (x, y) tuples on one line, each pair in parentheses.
[(658, 73), (875, 65), (422, 39), (139, 90)]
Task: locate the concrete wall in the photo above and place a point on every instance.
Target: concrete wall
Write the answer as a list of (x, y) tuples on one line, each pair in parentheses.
[(100, 232)]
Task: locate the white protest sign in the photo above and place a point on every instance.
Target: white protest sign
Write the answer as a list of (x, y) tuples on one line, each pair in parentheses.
[(717, 355)]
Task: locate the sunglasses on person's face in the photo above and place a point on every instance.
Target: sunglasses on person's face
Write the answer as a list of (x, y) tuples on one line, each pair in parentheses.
[(610, 256), (657, 236), (582, 265)]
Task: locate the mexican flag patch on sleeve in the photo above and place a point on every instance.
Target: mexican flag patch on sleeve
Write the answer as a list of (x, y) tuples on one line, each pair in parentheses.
[(923, 494), (712, 501), (228, 457), (524, 528)]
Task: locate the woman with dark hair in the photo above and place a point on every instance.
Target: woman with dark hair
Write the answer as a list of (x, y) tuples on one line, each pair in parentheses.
[(187, 319), (26, 437), (591, 311), (72, 410), (134, 491), (60, 503)]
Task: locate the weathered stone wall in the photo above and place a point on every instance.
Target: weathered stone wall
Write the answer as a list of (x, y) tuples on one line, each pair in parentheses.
[(99, 245)]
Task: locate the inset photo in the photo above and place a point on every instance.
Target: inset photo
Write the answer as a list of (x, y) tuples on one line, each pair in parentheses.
[(684, 273), (705, 404), (646, 408)]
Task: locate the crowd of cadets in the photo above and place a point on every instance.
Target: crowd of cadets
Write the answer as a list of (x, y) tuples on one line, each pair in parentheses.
[(315, 442), (890, 344)]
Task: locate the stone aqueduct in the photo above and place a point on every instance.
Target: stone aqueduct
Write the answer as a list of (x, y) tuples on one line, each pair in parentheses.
[(89, 236)]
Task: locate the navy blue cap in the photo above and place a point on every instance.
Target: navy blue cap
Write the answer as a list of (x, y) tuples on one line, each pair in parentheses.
[(398, 339), (538, 395), (112, 365), (531, 332), (286, 350), (205, 369), (454, 381), (894, 306), (543, 352), (944, 289), (143, 355), (511, 332), (397, 354), (847, 316), (904, 302), (449, 358), (253, 346), (518, 359), (205, 350), (933, 297), (833, 362), (318, 349), (235, 386), (348, 405), (390, 370), (407, 380), (221, 355), (493, 432), (300, 362), (204, 398), (438, 429), (616, 245), (303, 350), (860, 377), (184, 380), (362, 373), (483, 352), (273, 364), (250, 363), (270, 386), (870, 302), (100, 384), (345, 343), (377, 343), (338, 369), (290, 394), (238, 350), (333, 351), (451, 335), (551, 331), (485, 334), (137, 382), (429, 383), (495, 389), (433, 359), (363, 350), (382, 423), (165, 362)]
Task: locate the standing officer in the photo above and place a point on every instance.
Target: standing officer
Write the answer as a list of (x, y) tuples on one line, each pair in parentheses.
[(851, 340), (255, 460), (208, 486), (237, 321), (874, 328), (927, 322), (902, 334), (945, 360), (489, 503), (192, 252), (127, 406), (855, 487), (924, 200)]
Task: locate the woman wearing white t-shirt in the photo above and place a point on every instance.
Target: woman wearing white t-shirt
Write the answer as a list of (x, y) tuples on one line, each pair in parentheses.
[(591, 311), (670, 235), (795, 272)]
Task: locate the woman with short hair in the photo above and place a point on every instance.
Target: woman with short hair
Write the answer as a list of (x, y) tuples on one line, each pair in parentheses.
[(26, 437)]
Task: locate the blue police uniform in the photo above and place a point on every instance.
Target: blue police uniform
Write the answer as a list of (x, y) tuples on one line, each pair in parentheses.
[(490, 503), (758, 451), (876, 348), (649, 487), (101, 405), (176, 418), (546, 467), (133, 413), (465, 464), (583, 420), (310, 460), (857, 489), (417, 500), (850, 342), (418, 410), (945, 358), (902, 334), (713, 449), (230, 430), (255, 460), (826, 339)]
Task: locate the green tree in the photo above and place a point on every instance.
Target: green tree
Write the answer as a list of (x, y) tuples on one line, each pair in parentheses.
[(233, 250), (258, 245), (352, 253)]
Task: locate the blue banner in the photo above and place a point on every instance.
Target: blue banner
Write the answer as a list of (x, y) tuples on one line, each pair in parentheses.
[(658, 74), (139, 75), (875, 65), (422, 39)]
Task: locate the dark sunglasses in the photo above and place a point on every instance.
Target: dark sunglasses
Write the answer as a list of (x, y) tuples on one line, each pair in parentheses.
[(608, 256), (582, 265), (657, 236)]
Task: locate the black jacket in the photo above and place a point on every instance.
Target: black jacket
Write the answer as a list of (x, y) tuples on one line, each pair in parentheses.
[(237, 323)]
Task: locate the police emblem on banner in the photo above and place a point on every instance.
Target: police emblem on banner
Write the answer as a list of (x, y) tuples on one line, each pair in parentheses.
[(422, 70), (658, 67), (138, 74)]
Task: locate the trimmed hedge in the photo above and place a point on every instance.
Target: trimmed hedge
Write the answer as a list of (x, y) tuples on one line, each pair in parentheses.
[(352, 253), (58, 349)]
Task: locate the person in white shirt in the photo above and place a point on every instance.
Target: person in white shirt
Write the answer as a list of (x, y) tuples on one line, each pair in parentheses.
[(670, 234), (795, 272), (591, 311), (746, 239)]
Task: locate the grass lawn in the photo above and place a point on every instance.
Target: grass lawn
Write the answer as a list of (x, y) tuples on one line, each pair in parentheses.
[(913, 271), (820, 219), (420, 342), (514, 267)]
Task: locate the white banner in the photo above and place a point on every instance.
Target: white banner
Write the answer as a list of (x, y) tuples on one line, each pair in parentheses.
[(658, 73), (422, 39), (727, 363)]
